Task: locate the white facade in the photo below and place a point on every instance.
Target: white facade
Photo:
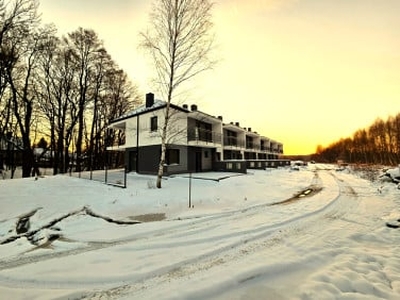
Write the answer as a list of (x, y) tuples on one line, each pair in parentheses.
[(198, 138)]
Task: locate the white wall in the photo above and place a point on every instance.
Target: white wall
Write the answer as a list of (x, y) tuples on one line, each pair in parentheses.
[(177, 129)]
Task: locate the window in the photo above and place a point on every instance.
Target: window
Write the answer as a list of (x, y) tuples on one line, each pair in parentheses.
[(249, 142), (263, 145), (172, 156), (204, 131), (153, 123), (205, 154), (231, 138)]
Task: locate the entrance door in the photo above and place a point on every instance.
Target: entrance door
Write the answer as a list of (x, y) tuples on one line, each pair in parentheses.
[(198, 161), (132, 161)]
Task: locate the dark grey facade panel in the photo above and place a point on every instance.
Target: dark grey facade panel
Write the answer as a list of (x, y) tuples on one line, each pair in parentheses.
[(148, 158), (144, 160), (182, 167), (191, 157), (191, 160)]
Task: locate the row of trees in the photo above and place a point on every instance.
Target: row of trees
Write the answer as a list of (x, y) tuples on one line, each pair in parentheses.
[(378, 144), (66, 89)]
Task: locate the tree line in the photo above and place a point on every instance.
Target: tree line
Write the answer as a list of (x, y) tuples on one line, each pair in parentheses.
[(62, 90), (378, 144)]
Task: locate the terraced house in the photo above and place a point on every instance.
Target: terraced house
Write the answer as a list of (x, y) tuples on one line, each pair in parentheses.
[(196, 141)]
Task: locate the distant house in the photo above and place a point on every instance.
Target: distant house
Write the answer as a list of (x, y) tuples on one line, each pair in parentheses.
[(196, 141), (11, 149)]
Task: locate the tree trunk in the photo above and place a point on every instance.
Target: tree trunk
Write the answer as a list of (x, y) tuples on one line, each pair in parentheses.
[(163, 152), (27, 162), (79, 140)]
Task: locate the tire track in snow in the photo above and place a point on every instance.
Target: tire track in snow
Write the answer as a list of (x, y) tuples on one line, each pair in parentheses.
[(236, 244), (301, 234), (195, 225), (251, 242)]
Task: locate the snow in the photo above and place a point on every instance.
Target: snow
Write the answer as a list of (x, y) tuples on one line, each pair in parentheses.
[(141, 109), (393, 174), (248, 236)]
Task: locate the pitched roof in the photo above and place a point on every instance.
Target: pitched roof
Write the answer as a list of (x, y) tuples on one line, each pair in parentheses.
[(158, 104)]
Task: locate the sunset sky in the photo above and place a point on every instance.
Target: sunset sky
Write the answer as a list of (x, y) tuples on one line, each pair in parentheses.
[(303, 72)]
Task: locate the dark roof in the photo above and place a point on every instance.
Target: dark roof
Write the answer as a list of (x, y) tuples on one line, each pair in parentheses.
[(158, 104)]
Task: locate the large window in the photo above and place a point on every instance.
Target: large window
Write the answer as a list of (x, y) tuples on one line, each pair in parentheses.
[(172, 156), (153, 123), (249, 142), (204, 131), (231, 138)]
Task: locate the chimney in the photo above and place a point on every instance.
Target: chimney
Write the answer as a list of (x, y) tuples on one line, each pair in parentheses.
[(220, 117), (193, 107), (237, 124), (149, 100), (249, 128), (185, 106)]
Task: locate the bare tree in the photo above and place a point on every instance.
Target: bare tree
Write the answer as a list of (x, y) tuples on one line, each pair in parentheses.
[(21, 44), (179, 41), (17, 18), (396, 136), (67, 88), (378, 144), (111, 90), (120, 97), (392, 134), (55, 92), (101, 65), (86, 47)]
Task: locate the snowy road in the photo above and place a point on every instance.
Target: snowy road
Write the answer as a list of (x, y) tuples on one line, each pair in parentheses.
[(327, 242)]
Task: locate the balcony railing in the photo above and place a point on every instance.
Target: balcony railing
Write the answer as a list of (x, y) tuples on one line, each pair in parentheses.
[(232, 141), (252, 146), (205, 136)]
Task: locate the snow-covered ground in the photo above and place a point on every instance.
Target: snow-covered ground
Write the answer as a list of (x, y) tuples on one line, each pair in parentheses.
[(315, 233)]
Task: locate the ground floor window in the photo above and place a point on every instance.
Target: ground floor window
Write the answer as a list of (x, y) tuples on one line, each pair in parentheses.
[(172, 156)]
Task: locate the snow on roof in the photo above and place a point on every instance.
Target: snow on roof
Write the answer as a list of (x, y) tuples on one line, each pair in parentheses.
[(141, 109)]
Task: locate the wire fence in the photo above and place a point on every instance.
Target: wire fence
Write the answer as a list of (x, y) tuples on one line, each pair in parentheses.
[(111, 170), (115, 177)]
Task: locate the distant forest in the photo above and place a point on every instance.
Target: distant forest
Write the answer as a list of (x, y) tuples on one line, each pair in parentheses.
[(378, 144)]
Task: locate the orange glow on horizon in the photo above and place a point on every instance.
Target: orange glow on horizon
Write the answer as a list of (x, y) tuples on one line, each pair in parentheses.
[(304, 73)]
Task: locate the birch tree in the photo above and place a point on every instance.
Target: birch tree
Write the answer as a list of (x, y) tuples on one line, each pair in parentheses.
[(179, 41)]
